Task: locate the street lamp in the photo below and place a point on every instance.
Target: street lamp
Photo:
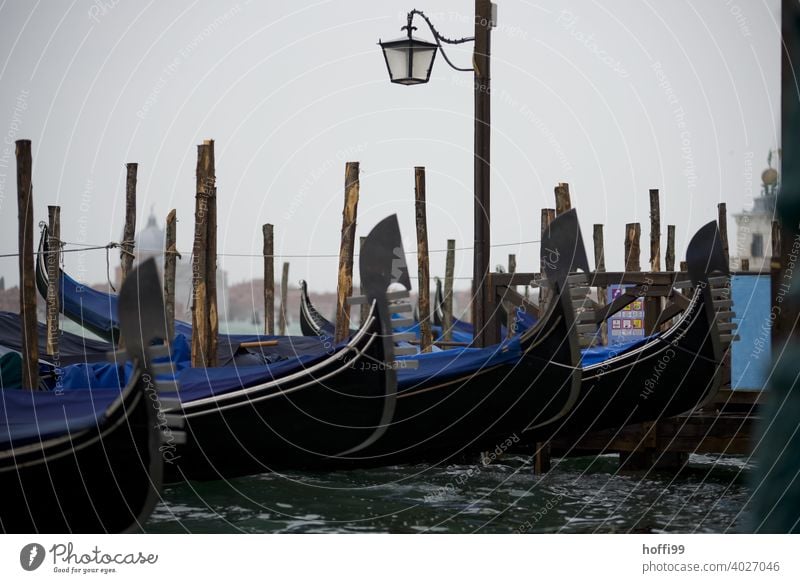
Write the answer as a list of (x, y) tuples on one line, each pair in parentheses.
[(409, 61)]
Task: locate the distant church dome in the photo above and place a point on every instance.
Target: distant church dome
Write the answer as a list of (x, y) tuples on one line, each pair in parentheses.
[(769, 177), (150, 240)]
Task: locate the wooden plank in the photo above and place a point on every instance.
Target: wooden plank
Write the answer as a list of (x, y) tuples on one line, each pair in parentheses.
[(52, 261), (283, 321), (259, 343), (449, 271), (344, 288), (27, 276), (171, 256), (268, 232), (423, 261), (126, 255)]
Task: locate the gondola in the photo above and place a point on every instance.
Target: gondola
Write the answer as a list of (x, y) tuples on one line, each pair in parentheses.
[(671, 372), (85, 461), (467, 400), (310, 412)]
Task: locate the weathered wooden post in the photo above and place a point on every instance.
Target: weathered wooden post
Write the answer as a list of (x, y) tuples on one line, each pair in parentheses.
[(171, 256), (511, 311), (548, 216), (600, 267), (203, 270), (27, 277), (129, 232), (449, 273), (344, 288), (669, 258), (53, 259), (633, 232), (269, 279), (211, 252), (652, 304), (364, 312), (563, 202), (284, 298), (423, 261), (655, 231), (723, 229)]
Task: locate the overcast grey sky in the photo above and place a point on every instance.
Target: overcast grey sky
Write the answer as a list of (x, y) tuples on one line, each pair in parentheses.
[(614, 97)]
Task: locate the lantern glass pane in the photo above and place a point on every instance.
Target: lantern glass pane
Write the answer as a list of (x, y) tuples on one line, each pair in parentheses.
[(422, 62), (397, 61)]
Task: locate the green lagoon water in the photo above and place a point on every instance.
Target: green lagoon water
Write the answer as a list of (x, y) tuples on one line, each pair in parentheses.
[(579, 495)]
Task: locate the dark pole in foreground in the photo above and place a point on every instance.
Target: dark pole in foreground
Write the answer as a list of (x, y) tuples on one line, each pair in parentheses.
[(423, 261), (486, 329), (344, 288), (52, 261), (269, 279), (129, 232), (27, 286)]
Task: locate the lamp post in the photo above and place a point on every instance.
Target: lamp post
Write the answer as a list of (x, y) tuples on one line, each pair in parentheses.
[(410, 61)]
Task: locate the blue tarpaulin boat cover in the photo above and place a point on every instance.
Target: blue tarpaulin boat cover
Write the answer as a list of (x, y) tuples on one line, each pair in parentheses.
[(27, 416)]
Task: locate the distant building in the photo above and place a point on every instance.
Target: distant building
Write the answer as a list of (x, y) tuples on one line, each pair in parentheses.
[(150, 243), (754, 226)]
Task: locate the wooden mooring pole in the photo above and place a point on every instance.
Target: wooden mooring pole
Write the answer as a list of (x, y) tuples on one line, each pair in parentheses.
[(171, 256), (269, 279), (282, 323), (210, 176), (511, 311), (449, 273), (652, 304), (633, 232), (344, 287), (600, 267), (669, 257), (129, 231), (52, 262), (423, 261), (27, 277), (563, 202), (204, 312), (548, 216)]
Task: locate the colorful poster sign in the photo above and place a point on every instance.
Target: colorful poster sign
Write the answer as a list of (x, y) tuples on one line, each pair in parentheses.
[(628, 323)]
